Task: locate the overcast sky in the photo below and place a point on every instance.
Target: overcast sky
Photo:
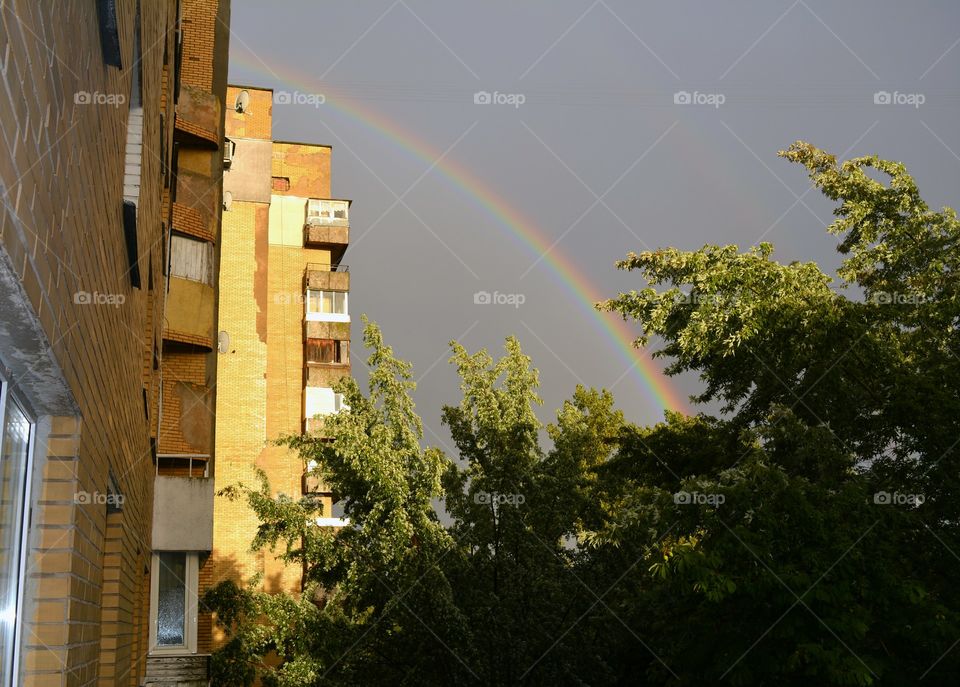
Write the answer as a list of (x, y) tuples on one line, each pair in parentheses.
[(588, 111)]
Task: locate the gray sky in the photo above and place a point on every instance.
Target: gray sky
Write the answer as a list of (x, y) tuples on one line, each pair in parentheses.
[(598, 119)]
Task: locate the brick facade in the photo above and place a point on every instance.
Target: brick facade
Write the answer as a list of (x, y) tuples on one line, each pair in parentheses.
[(262, 376), (80, 343)]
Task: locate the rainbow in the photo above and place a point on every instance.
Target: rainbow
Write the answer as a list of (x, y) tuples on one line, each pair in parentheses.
[(562, 269)]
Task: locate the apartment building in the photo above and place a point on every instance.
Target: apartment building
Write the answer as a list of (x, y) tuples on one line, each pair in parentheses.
[(111, 122), (283, 319)]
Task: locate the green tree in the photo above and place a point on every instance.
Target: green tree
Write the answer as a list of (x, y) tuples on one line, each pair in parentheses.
[(832, 402)]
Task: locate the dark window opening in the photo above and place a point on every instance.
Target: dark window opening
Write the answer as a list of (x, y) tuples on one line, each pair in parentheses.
[(109, 32), (130, 236), (324, 351), (136, 78), (177, 55)]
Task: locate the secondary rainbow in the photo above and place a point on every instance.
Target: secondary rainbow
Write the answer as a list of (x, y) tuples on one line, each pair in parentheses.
[(521, 228)]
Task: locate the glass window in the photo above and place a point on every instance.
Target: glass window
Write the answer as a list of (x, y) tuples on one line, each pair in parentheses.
[(327, 211), (328, 302), (171, 598), (339, 302), (323, 351), (14, 455)]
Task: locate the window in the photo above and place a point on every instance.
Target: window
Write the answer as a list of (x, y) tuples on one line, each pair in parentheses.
[(229, 151), (322, 400), (191, 259), (280, 183), (133, 158), (15, 452), (173, 602), (327, 211), (327, 306), (109, 32), (324, 351)]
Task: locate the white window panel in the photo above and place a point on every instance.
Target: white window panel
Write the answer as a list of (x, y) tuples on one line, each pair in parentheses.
[(321, 211), (327, 306), (191, 259), (321, 400)]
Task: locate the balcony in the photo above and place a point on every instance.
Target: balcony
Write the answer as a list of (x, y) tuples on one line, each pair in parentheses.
[(189, 312), (198, 118), (325, 374), (182, 513), (319, 402), (327, 276), (327, 226), (178, 671)]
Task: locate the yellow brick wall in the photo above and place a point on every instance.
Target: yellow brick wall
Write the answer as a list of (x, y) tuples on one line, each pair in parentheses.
[(306, 166), (87, 596), (241, 397), (257, 120), (63, 235), (261, 377), (199, 23)]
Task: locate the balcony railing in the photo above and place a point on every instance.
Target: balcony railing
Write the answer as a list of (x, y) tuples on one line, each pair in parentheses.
[(327, 267)]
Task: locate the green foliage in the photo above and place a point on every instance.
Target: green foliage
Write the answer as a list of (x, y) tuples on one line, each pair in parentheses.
[(751, 548)]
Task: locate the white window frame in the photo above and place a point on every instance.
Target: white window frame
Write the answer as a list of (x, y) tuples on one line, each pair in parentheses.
[(7, 396), (326, 316), (322, 210), (190, 606)]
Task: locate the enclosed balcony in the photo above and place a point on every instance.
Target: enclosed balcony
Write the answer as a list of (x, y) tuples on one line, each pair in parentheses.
[(326, 293), (198, 118), (182, 513), (319, 402), (327, 226)]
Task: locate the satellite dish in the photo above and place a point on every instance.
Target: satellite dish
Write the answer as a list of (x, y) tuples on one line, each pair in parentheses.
[(243, 101), (223, 342), (227, 201)]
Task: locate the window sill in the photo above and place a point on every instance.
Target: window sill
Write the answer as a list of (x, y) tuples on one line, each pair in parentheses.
[(326, 317)]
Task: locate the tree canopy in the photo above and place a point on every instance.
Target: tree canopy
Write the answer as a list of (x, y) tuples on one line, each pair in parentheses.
[(807, 534)]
